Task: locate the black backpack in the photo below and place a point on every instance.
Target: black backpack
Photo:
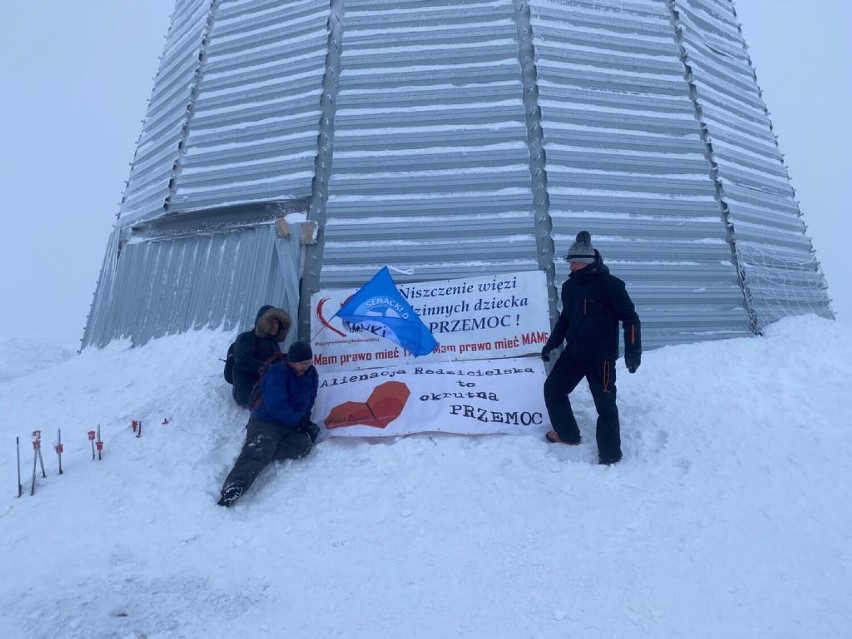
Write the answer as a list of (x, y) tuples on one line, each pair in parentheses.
[(229, 364)]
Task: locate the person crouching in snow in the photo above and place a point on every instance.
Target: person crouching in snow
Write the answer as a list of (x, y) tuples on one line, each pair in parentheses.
[(593, 302), (253, 347), (280, 425)]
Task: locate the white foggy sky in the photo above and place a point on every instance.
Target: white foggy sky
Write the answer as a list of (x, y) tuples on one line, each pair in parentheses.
[(76, 78)]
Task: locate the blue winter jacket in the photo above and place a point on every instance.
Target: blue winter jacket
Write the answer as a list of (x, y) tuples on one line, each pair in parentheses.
[(286, 398)]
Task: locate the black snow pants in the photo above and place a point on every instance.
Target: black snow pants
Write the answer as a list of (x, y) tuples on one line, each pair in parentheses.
[(600, 375), (264, 443)]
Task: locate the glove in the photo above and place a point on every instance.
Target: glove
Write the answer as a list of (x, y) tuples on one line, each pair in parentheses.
[(309, 428), (632, 361), (545, 353), (313, 432)]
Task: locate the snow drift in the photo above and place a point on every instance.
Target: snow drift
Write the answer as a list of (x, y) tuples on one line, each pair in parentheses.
[(729, 516)]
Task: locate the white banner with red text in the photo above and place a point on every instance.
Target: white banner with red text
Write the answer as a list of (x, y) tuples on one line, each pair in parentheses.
[(485, 317), (472, 398)]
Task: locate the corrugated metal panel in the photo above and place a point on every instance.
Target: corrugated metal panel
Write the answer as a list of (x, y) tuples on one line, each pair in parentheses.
[(625, 161), (430, 140), (780, 270), (467, 137), (99, 318), (165, 123), (255, 123), (166, 286)]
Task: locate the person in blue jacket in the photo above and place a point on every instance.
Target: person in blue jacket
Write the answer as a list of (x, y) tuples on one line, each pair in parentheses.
[(280, 424), (593, 303)]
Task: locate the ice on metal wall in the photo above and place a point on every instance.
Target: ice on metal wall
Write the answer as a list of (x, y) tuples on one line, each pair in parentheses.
[(458, 137), (625, 161), (211, 279), (778, 267), (430, 169), (164, 129), (99, 326), (254, 125)]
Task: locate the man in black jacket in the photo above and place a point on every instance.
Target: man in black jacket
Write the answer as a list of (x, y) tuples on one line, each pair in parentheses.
[(593, 302), (252, 348)]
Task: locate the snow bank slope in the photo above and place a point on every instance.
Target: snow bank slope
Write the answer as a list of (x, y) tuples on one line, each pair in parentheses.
[(729, 516)]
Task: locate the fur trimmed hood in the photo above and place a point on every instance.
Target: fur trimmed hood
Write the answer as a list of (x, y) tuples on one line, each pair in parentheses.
[(263, 322)]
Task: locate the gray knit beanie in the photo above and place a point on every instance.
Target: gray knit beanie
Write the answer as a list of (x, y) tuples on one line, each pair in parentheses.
[(582, 250), (299, 351)]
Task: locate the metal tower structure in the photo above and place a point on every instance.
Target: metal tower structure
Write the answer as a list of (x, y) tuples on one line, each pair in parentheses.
[(453, 138)]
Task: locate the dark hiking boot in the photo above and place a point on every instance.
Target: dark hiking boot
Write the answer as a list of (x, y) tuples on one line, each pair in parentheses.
[(553, 437), (230, 494), (606, 461)]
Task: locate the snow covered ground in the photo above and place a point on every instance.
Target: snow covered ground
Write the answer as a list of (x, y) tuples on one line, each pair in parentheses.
[(22, 355), (730, 515)]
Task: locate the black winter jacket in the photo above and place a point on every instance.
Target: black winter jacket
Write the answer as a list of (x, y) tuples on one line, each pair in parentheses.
[(252, 348), (593, 302)]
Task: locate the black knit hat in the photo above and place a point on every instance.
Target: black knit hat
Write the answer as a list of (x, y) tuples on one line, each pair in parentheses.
[(582, 250), (299, 351)]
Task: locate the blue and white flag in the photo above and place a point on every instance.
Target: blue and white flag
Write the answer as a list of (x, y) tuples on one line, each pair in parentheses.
[(378, 307)]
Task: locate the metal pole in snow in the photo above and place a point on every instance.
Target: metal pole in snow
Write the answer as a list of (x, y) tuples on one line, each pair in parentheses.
[(37, 433), (59, 448), (92, 439), (36, 445), (99, 444), (18, 453)]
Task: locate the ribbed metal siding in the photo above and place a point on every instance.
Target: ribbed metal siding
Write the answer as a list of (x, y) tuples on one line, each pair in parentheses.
[(431, 167), (253, 134), (163, 130), (626, 162), (781, 272), (433, 122), (175, 285), (98, 321)]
